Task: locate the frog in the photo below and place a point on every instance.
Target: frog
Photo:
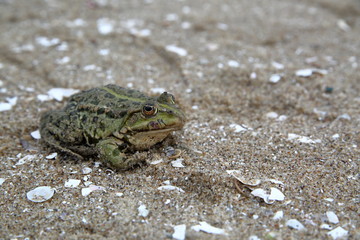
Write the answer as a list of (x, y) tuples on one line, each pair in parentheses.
[(111, 123)]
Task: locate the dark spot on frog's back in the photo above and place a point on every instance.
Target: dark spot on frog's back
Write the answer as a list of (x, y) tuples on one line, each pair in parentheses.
[(131, 92), (109, 95), (73, 113), (101, 111), (110, 114), (122, 114), (95, 101), (120, 100), (95, 119)]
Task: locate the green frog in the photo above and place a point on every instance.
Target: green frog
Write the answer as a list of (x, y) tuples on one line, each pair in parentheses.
[(111, 122)]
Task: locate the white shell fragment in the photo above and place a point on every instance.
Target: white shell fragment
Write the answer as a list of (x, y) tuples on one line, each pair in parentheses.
[(179, 232), (59, 93), (25, 159), (237, 174), (233, 63), (239, 128), (52, 156), (6, 106), (254, 237), (2, 180), (343, 25), (338, 232), (325, 226), (47, 42), (105, 26), (275, 195), (143, 212), (78, 22), (303, 73), (104, 52), (12, 100), (310, 71), (43, 97), (36, 134), (261, 193), (278, 215), (332, 218), (156, 162), (140, 33), (72, 183), (40, 194), (86, 170), (205, 227), (91, 67), (63, 60), (177, 163), (272, 115), (86, 191), (170, 188), (274, 78), (295, 224), (302, 139), (175, 49), (278, 65), (344, 116), (335, 136), (275, 181), (282, 118)]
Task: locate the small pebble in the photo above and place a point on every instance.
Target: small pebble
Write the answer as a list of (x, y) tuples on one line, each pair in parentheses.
[(329, 89)]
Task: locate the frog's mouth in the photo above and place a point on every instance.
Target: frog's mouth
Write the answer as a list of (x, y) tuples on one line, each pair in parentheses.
[(145, 139)]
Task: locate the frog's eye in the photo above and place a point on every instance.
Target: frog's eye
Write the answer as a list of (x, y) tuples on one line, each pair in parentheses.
[(149, 110)]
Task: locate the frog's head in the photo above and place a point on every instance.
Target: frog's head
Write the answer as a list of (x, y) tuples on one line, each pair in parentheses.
[(154, 120)]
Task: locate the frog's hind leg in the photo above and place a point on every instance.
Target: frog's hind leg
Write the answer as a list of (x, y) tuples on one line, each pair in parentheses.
[(49, 131), (53, 143)]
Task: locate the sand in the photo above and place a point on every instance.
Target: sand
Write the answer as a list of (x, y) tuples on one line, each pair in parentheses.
[(234, 68)]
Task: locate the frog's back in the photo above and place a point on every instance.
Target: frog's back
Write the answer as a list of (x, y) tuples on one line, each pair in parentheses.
[(113, 97)]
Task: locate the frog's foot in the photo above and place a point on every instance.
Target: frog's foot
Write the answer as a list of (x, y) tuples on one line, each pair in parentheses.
[(111, 152)]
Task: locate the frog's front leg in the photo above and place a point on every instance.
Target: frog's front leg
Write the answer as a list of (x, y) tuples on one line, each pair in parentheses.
[(111, 152)]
